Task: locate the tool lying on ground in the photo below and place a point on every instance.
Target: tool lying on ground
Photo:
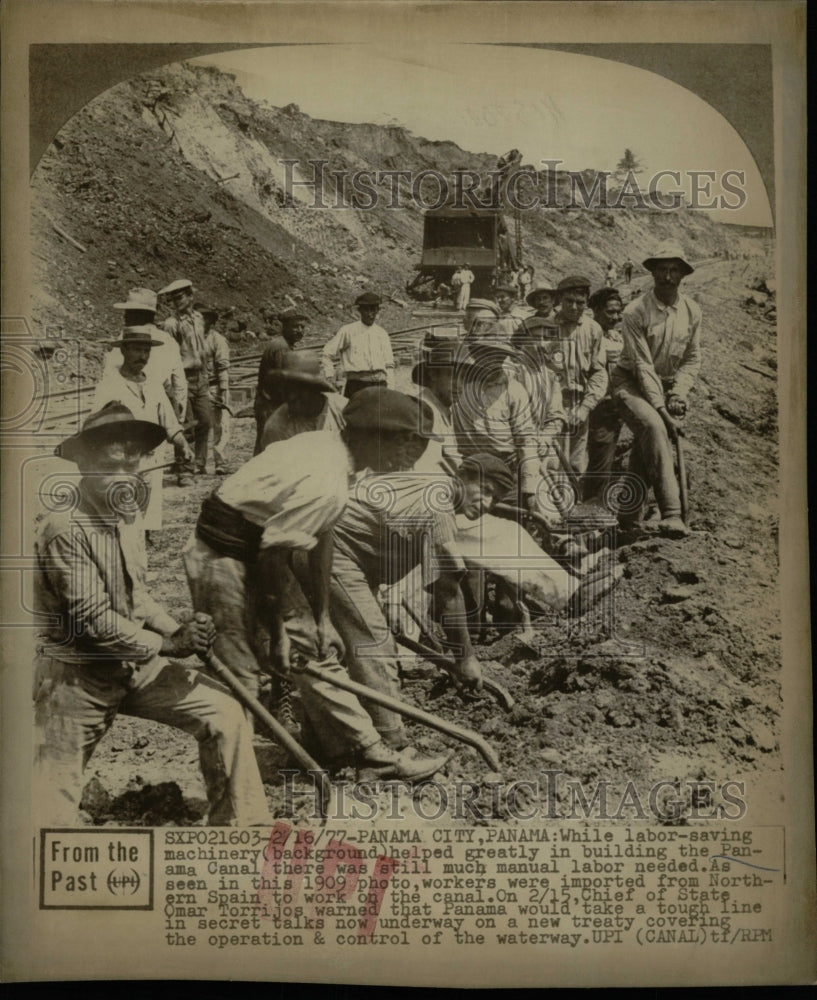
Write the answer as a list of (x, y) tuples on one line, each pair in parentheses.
[(280, 734), (409, 711), (438, 656)]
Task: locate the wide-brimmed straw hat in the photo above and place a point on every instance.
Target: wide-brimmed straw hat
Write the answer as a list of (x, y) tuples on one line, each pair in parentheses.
[(668, 250), (142, 335), (139, 299), (114, 422), (530, 298)]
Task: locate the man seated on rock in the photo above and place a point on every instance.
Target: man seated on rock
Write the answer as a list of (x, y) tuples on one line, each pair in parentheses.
[(657, 369), (105, 648), (310, 402), (262, 552)]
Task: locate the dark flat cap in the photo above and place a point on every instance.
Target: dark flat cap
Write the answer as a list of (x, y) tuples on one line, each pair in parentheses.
[(574, 281), (380, 409), (599, 299), (490, 469), (368, 299)]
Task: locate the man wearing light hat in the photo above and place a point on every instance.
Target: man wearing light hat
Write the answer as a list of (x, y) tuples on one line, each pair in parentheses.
[(658, 366), (362, 349), (139, 309), (269, 391), (262, 551), (144, 395), (309, 402), (105, 642), (186, 326), (577, 358)]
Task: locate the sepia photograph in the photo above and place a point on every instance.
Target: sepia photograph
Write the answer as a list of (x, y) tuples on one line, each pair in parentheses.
[(404, 492)]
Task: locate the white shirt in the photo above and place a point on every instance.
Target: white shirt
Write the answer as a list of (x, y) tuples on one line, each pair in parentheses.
[(164, 364), (146, 400), (361, 350), (294, 489)]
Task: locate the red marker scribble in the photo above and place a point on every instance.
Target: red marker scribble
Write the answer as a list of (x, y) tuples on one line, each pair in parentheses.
[(337, 854), (384, 869)]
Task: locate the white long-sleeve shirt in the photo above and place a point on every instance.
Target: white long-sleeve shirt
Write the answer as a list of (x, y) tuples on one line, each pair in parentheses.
[(363, 352)]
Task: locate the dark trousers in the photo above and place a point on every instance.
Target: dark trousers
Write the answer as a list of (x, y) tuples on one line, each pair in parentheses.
[(354, 385), (200, 416)]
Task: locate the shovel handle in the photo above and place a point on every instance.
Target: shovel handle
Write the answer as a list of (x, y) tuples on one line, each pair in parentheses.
[(683, 485), (291, 745), (409, 711)]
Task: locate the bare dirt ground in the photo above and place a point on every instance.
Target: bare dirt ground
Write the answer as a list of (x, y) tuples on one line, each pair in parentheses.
[(684, 684)]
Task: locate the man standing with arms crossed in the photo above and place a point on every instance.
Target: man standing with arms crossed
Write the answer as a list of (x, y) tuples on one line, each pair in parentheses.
[(658, 367)]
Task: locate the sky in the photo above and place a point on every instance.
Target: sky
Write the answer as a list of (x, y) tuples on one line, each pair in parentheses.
[(578, 109)]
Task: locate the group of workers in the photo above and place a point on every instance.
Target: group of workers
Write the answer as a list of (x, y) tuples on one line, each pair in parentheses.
[(362, 511)]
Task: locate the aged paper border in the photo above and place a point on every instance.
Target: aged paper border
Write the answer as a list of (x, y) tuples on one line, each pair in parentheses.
[(122, 950)]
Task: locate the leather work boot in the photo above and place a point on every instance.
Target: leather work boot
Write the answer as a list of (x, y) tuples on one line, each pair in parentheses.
[(381, 763), (184, 480), (673, 527)]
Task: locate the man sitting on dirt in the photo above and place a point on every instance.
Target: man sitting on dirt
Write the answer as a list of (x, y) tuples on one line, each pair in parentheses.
[(186, 326), (241, 566), (269, 393), (605, 421), (139, 309), (578, 362), (310, 404), (657, 368), (362, 349), (106, 643)]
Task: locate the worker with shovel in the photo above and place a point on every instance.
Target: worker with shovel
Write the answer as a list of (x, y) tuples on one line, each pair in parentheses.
[(657, 369), (261, 553)]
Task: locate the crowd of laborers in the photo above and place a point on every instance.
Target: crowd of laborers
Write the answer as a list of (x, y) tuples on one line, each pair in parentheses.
[(363, 513)]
